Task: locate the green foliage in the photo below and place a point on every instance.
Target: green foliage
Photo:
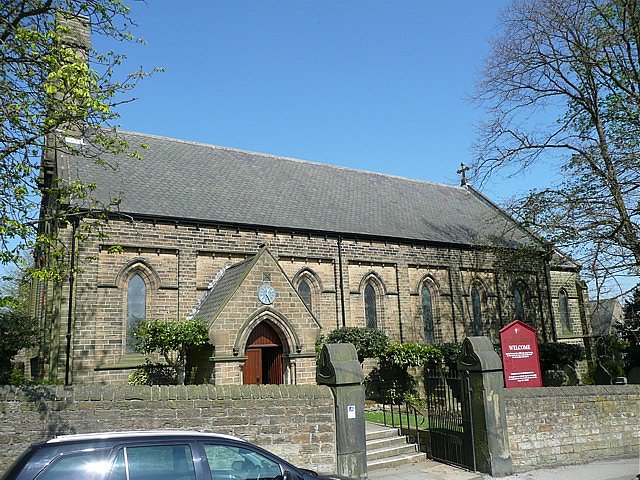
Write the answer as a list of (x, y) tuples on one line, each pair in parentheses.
[(388, 382), (557, 354), (15, 290), (451, 352), (153, 374), (17, 331), (50, 90), (410, 354), (17, 375), (611, 353), (139, 377), (369, 343), (614, 368), (171, 340), (560, 89), (631, 311), (415, 400)]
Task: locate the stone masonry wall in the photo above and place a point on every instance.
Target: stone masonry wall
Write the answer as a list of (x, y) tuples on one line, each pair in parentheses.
[(570, 425), (296, 423), (178, 260)]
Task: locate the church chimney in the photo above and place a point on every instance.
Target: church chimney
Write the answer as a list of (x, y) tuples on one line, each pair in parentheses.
[(74, 31)]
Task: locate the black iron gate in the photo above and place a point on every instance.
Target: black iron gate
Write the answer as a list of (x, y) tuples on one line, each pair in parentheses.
[(444, 414), (449, 416)]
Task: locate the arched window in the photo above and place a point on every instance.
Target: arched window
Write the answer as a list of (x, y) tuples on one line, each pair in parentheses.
[(136, 306), (304, 290), (370, 307), (476, 304), (518, 302), (563, 307), (427, 315)]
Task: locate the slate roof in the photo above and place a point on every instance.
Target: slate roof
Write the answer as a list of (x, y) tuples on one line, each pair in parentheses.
[(218, 295), (605, 313), (206, 183)]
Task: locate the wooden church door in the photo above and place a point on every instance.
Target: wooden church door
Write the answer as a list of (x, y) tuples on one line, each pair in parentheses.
[(264, 357)]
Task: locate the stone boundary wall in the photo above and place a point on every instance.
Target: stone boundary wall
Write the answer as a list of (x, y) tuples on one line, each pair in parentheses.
[(294, 422), (551, 427)]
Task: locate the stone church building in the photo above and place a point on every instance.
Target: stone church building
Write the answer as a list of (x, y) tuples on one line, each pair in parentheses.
[(273, 252)]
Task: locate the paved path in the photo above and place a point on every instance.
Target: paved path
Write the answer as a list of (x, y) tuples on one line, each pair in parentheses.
[(430, 470), (427, 470), (612, 470)]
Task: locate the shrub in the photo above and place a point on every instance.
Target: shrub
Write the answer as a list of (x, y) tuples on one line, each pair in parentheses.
[(369, 343), (17, 331), (451, 352), (410, 354), (172, 340), (138, 377), (153, 374), (557, 354)]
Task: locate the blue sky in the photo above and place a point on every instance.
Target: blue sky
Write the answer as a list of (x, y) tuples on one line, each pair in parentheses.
[(375, 85)]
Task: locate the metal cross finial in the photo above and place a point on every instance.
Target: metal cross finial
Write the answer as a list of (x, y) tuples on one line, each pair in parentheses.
[(463, 170)]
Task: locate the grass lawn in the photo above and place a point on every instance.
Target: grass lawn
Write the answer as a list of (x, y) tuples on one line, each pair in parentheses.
[(377, 417)]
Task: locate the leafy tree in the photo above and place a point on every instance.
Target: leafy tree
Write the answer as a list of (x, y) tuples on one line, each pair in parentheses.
[(629, 329), (17, 331), (369, 343), (562, 86), (172, 340), (54, 86), (14, 290)]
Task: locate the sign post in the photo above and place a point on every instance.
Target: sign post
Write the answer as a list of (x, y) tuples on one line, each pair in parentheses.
[(520, 358)]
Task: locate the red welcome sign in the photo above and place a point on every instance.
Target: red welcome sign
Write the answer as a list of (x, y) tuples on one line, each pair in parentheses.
[(520, 358)]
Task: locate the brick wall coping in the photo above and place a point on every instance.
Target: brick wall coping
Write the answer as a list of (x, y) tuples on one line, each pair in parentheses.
[(579, 391), (161, 392)]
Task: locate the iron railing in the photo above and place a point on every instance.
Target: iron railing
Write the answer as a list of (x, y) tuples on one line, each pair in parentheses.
[(446, 416)]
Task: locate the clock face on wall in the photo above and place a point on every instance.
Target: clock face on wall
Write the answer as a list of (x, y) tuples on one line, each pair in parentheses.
[(266, 294)]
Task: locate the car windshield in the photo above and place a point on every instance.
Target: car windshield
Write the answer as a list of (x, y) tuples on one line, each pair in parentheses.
[(18, 464)]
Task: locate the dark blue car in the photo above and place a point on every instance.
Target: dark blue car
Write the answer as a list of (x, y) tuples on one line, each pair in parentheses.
[(153, 455)]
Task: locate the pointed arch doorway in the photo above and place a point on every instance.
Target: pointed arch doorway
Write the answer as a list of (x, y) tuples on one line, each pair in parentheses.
[(264, 357)]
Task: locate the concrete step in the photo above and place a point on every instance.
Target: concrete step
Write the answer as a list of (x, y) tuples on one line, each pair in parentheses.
[(396, 461), (375, 431), (386, 442), (386, 433), (386, 448), (393, 451)]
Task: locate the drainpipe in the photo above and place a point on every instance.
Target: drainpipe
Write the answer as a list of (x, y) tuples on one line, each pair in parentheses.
[(344, 323), (67, 368), (399, 303), (453, 307), (178, 283), (547, 279)]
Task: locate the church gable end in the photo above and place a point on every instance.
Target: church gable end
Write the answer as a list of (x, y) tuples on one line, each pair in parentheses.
[(262, 299)]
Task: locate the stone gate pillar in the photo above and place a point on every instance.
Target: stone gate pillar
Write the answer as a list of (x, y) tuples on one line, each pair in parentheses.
[(339, 369), (486, 406)]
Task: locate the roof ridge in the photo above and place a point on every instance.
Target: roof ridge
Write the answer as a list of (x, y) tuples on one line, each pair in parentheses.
[(290, 159)]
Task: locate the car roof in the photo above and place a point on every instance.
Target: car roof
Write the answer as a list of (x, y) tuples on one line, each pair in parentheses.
[(139, 434)]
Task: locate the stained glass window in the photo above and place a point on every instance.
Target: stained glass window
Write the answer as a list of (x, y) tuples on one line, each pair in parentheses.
[(427, 315), (370, 307), (477, 311), (563, 307), (136, 305), (304, 290)]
